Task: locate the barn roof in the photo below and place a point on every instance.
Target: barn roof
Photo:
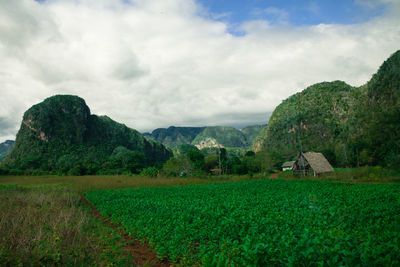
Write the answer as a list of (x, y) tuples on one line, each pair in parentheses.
[(318, 162), (288, 164)]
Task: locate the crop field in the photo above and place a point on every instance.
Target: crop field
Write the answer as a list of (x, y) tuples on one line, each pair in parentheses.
[(263, 222)]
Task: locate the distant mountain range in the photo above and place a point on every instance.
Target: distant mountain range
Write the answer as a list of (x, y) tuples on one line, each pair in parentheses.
[(203, 137), (5, 148)]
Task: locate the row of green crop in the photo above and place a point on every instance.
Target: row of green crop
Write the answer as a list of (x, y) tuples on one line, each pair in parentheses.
[(262, 222)]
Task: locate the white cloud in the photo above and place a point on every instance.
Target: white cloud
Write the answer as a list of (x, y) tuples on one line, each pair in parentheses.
[(156, 63)]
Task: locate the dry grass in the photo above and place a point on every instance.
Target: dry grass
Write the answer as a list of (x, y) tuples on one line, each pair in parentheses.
[(86, 183), (351, 175), (49, 227)]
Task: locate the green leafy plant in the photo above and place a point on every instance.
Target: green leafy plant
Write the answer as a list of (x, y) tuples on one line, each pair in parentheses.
[(264, 222)]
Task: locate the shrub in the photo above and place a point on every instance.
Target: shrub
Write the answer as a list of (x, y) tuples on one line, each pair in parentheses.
[(150, 171), (177, 166)]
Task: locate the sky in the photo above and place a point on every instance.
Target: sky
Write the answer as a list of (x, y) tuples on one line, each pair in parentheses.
[(156, 63)]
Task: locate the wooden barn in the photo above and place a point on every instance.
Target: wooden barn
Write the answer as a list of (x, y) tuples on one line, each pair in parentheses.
[(311, 163), (287, 166)]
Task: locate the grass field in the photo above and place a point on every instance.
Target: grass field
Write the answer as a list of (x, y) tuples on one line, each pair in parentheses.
[(83, 184), (43, 220), (353, 175), (50, 226)]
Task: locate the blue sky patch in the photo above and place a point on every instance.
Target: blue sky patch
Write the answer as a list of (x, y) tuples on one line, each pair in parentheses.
[(292, 12)]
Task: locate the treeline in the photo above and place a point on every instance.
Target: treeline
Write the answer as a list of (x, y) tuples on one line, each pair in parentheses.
[(189, 162), (121, 161), (213, 161)]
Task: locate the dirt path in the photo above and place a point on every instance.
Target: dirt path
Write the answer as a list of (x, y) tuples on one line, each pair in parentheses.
[(143, 255)]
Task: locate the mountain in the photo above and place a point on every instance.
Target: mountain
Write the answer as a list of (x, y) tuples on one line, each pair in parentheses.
[(350, 125), (5, 148), (205, 136), (258, 142), (251, 132), (379, 113), (314, 119), (174, 136), (61, 134), (220, 135)]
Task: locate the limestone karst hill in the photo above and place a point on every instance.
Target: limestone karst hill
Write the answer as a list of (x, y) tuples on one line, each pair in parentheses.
[(60, 133)]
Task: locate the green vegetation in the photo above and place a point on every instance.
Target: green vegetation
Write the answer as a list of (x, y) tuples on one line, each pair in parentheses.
[(264, 222), (60, 136), (251, 132), (43, 221), (379, 143), (225, 136), (333, 118), (5, 148), (181, 150), (313, 120), (228, 137), (174, 136), (364, 174), (82, 184), (214, 160)]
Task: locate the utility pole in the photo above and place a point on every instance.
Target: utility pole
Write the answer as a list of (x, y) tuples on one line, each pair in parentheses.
[(219, 159), (299, 139)]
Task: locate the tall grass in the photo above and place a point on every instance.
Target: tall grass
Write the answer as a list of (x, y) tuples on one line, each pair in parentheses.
[(363, 174), (83, 184), (45, 226)]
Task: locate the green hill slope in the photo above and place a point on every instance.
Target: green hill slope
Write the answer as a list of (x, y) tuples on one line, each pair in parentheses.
[(207, 136), (60, 133), (5, 148), (174, 136), (314, 119), (379, 143), (351, 126), (251, 132), (223, 135)]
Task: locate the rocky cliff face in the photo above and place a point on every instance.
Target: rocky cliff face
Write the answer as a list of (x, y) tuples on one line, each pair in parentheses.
[(62, 126)]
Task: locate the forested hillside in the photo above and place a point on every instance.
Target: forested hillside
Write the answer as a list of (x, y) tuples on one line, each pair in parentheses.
[(61, 135), (379, 143), (351, 126), (174, 136), (5, 148), (220, 135), (251, 132), (205, 137)]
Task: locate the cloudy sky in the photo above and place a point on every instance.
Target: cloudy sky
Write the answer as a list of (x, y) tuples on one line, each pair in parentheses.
[(156, 63)]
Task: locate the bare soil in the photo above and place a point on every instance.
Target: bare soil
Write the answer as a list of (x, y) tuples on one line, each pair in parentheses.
[(142, 254)]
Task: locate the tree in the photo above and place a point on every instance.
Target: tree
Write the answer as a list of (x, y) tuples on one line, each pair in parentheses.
[(125, 159), (178, 167), (197, 158)]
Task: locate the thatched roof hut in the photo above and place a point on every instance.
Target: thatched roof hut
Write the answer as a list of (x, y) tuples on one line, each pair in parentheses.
[(312, 163)]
